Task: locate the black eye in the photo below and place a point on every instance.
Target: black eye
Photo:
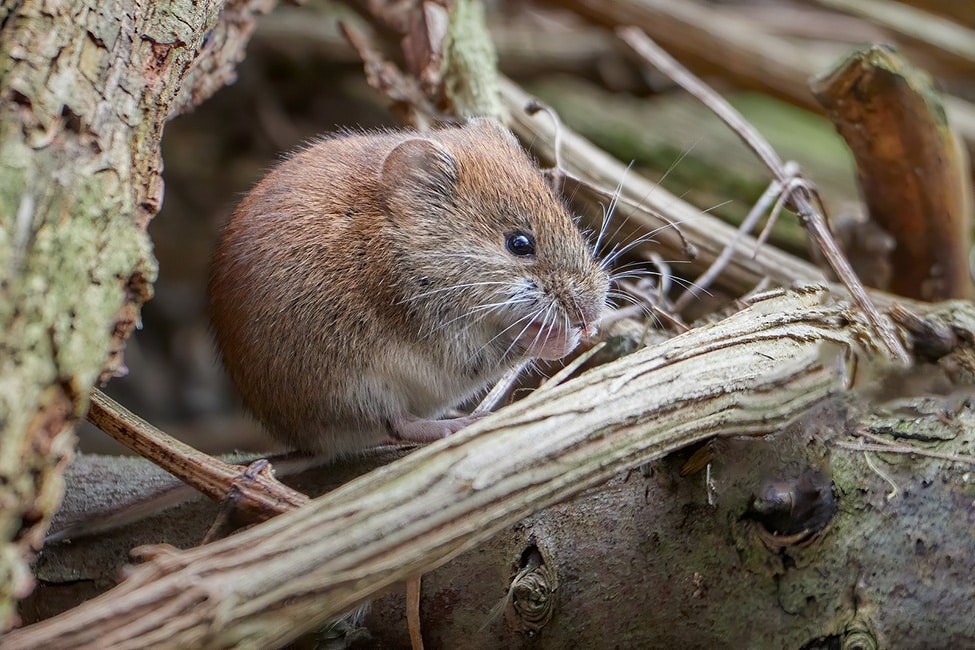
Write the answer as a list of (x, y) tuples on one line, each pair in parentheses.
[(519, 243)]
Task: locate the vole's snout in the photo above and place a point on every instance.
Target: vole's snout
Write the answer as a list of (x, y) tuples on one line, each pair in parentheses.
[(588, 330), (580, 320), (585, 318)]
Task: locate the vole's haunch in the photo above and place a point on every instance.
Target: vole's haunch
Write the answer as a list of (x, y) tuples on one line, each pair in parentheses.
[(373, 280)]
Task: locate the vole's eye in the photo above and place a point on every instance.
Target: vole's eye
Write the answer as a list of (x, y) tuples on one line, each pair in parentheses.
[(520, 243)]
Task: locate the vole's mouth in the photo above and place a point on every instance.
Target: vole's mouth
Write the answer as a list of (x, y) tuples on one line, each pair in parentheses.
[(550, 341)]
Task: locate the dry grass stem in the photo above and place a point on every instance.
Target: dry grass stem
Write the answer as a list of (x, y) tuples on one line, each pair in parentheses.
[(799, 193)]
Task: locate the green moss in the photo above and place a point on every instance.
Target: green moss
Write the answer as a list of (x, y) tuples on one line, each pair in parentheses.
[(470, 66)]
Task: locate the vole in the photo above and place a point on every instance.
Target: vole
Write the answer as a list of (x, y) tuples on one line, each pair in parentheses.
[(372, 280)]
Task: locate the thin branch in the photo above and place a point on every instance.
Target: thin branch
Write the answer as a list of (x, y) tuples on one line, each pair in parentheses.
[(255, 489), (800, 196), (705, 280)]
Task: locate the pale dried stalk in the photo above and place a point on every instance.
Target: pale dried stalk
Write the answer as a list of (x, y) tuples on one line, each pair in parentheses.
[(935, 32), (748, 374), (799, 194), (651, 208), (748, 224)]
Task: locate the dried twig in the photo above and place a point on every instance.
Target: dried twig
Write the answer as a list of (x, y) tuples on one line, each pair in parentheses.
[(801, 194), (252, 491), (500, 389), (703, 281), (882, 445), (409, 101)]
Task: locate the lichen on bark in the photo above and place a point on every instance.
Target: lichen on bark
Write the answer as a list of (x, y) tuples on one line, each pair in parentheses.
[(85, 89)]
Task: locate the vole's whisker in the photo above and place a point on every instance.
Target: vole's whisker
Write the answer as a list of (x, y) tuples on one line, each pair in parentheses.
[(485, 309), (530, 318), (610, 210), (640, 275), (455, 287), (640, 305), (717, 206), (633, 300), (576, 309), (664, 177), (619, 250), (543, 326), (625, 268)]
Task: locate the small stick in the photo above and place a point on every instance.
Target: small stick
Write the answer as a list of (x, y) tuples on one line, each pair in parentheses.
[(890, 448), (493, 398), (717, 266), (655, 310), (536, 105), (413, 612), (259, 494), (571, 367), (800, 193)]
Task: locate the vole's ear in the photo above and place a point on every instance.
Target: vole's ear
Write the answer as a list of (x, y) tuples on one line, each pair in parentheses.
[(417, 171)]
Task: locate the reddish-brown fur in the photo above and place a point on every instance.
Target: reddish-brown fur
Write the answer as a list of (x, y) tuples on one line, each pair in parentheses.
[(334, 293)]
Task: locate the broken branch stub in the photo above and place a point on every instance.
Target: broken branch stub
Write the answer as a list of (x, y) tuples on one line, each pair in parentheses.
[(913, 175)]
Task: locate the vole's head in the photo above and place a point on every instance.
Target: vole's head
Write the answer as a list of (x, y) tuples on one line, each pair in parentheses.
[(485, 247)]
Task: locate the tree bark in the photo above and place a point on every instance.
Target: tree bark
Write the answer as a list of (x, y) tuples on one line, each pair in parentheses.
[(913, 174), (85, 89)]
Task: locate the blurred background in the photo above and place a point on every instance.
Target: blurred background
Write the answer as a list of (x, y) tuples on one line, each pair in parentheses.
[(300, 79)]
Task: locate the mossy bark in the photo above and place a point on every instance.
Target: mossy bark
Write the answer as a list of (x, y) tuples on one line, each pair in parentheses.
[(85, 89)]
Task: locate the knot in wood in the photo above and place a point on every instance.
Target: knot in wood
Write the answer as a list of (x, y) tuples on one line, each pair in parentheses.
[(858, 637), (531, 599), (791, 511)]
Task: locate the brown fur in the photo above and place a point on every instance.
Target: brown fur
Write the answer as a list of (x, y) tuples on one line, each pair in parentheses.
[(317, 289)]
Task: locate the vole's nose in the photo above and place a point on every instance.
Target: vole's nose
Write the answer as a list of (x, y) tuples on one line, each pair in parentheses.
[(587, 329), (586, 319)]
